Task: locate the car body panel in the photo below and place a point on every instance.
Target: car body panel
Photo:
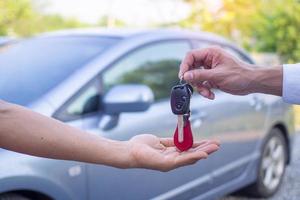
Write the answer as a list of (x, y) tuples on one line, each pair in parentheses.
[(53, 178)]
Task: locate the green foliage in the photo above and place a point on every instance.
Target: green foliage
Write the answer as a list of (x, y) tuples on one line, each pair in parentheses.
[(13, 13), (110, 22), (21, 18), (279, 28), (260, 25), (18, 17)]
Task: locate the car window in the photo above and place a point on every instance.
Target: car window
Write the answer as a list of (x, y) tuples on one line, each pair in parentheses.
[(155, 65), (84, 102), (236, 54), (32, 67), (198, 44), (87, 102)]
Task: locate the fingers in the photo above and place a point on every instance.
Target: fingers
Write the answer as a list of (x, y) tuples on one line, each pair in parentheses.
[(204, 89), (201, 152), (168, 142), (210, 148), (178, 159), (199, 143), (206, 142), (208, 84), (197, 75), (187, 63), (215, 141), (189, 158), (196, 58), (205, 92)]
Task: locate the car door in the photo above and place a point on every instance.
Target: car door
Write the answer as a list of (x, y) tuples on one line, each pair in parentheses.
[(238, 122), (154, 65)]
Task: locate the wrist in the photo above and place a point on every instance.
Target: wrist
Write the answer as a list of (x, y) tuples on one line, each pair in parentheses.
[(114, 153), (129, 161), (266, 80), (122, 155), (5, 107)]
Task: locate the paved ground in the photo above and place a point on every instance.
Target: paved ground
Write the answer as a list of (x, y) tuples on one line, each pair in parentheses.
[(290, 188)]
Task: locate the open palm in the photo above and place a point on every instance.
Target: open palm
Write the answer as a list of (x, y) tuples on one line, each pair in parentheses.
[(149, 151)]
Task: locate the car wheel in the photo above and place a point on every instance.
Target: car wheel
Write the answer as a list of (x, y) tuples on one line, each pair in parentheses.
[(271, 166), (12, 196)]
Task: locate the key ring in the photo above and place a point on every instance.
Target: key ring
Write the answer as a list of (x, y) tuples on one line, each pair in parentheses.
[(186, 118), (181, 80)]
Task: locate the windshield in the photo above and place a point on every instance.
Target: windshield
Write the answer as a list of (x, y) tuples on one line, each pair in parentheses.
[(30, 68)]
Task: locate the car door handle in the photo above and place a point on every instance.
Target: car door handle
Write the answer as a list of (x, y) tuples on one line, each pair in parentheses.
[(197, 118), (198, 115), (256, 102)]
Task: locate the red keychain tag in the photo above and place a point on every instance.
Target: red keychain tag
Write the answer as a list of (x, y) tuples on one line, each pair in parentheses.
[(187, 142)]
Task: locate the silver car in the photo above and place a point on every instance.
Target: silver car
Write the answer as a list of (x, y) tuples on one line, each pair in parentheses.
[(6, 40), (104, 81)]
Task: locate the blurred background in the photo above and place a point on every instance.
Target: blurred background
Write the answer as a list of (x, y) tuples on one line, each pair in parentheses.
[(269, 33), (267, 29), (255, 25)]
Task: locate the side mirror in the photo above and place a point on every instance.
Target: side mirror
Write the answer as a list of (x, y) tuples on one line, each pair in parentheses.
[(127, 98)]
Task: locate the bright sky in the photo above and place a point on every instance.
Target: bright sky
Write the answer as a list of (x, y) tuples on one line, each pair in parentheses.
[(133, 12)]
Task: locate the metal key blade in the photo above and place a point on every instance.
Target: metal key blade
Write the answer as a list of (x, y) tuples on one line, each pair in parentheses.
[(180, 126)]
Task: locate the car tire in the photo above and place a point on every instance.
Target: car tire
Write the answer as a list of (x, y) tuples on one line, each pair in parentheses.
[(12, 196), (271, 168)]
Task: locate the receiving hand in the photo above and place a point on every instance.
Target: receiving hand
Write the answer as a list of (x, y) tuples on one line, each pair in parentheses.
[(149, 151)]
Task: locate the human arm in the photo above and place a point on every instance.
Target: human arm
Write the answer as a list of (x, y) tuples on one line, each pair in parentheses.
[(215, 68), (25, 131)]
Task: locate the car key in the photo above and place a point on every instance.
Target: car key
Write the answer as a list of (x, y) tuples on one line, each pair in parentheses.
[(180, 105)]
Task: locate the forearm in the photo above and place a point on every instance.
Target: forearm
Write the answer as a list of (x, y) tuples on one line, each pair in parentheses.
[(266, 80), (24, 131)]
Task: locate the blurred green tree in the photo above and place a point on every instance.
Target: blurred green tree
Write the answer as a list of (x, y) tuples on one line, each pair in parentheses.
[(278, 28), (19, 17), (14, 13), (107, 21), (261, 25)]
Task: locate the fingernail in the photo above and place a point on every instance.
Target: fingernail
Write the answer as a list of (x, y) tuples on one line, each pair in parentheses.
[(188, 76), (211, 96), (204, 93), (180, 76)]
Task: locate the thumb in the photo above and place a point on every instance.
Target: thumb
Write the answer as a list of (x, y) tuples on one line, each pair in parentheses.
[(198, 75)]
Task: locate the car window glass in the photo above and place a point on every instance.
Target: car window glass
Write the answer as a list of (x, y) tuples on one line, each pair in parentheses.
[(234, 53), (198, 44), (238, 54), (85, 102), (32, 67), (154, 65)]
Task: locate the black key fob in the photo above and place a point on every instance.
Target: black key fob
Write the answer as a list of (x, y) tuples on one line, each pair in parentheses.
[(180, 98)]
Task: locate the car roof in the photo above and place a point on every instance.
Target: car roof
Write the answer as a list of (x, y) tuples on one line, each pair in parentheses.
[(4, 40), (126, 33), (120, 33)]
